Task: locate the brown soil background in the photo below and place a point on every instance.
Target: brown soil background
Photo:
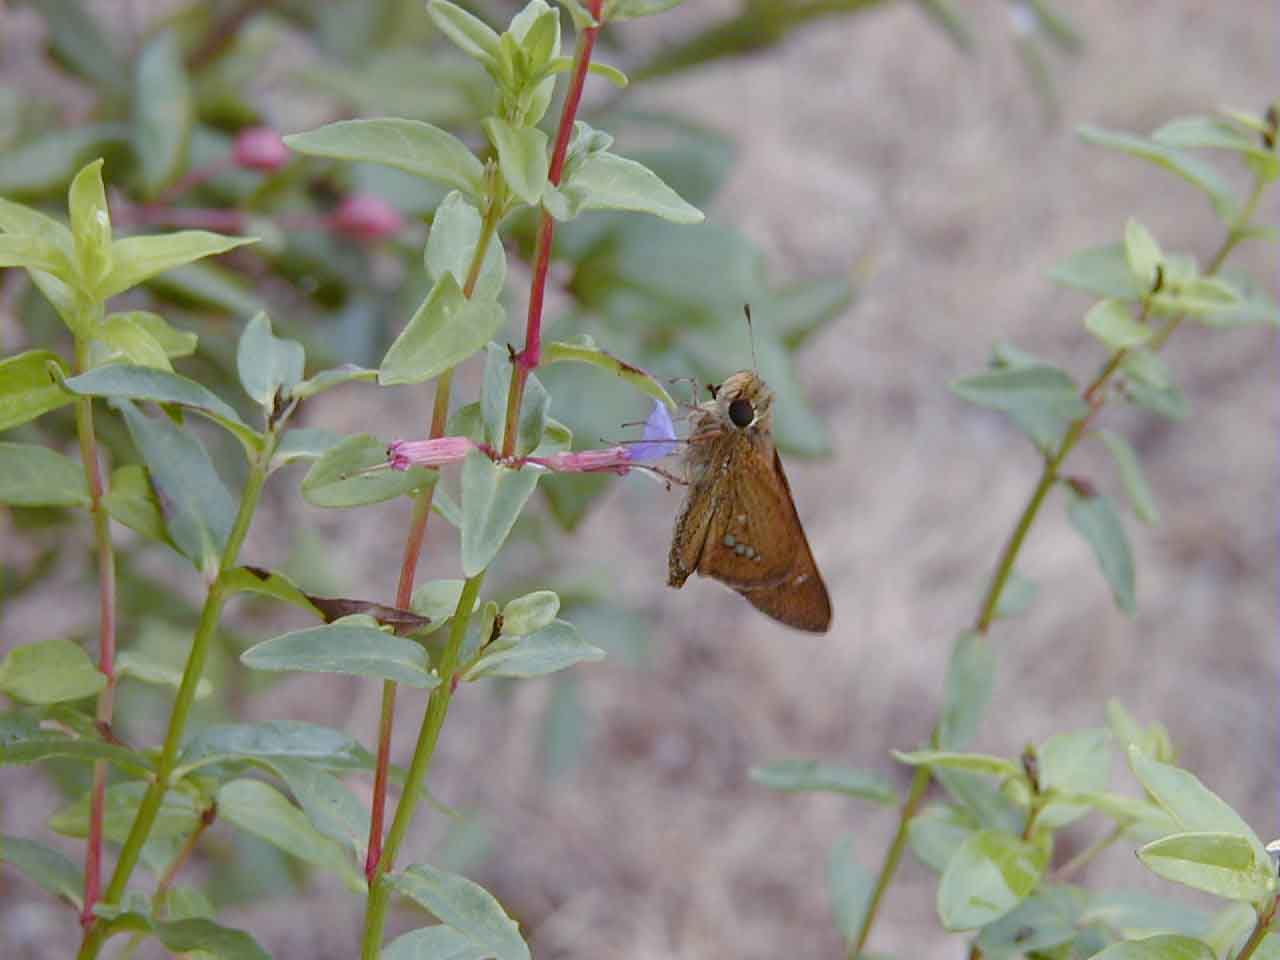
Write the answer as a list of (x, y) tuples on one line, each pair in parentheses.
[(867, 135)]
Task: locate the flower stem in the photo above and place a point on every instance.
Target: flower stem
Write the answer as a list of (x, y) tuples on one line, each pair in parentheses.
[(529, 358), (415, 779), (1094, 395), (413, 542), (106, 563), (149, 808), (1260, 929)]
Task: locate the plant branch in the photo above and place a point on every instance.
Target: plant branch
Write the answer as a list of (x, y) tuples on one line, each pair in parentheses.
[(1094, 395), (413, 542), (106, 563), (1260, 930), (149, 808), (415, 779), (529, 358)]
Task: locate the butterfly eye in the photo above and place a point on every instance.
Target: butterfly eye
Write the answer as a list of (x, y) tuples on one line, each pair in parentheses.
[(741, 412)]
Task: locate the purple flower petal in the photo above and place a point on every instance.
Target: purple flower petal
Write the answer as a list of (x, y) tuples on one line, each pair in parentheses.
[(659, 436)]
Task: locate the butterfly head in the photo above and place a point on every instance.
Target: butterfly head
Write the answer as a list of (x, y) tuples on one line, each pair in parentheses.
[(744, 401)]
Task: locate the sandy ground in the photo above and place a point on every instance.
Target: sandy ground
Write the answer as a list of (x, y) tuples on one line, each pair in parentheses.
[(872, 135)]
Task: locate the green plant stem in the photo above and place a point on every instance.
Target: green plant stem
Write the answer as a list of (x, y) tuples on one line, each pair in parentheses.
[(106, 563), (413, 542), (1094, 395), (1260, 930), (415, 779), (191, 674)]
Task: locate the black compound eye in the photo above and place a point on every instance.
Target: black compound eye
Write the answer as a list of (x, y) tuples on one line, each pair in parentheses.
[(741, 412)]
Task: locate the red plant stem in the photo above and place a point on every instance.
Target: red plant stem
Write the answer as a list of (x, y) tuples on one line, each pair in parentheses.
[(106, 637), (529, 358), (409, 566)]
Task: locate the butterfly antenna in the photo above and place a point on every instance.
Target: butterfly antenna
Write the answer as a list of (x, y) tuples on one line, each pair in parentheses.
[(751, 338)]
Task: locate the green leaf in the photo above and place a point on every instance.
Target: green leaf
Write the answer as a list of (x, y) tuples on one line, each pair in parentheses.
[(492, 498), (90, 227), (35, 476), (988, 876), (35, 254), (304, 443), (1133, 914), (849, 886), (126, 382), (435, 943), (1040, 399), (469, 34), (130, 663), (22, 740), (412, 146), (1149, 384), (438, 601), (1200, 297), (143, 339), (49, 868), (47, 163), (1095, 519), (522, 157), (1255, 305), (271, 740), (530, 613), (971, 762), (1135, 483), (50, 671), (1078, 762), (268, 583), (494, 392), (196, 935), (1196, 808), (616, 10), (327, 379), (27, 388), (198, 511), (268, 364), (971, 676), (464, 906), (164, 111), (1142, 253), (444, 331), (1192, 169), (79, 44), (1044, 920), (1103, 271), (1165, 946), (261, 809), (138, 259), (555, 647), (937, 832), (345, 647), (1219, 863), (1018, 594), (585, 351), (451, 246), (1114, 324), (328, 804), (337, 478), (177, 816), (605, 181), (132, 501), (1213, 133), (805, 776)]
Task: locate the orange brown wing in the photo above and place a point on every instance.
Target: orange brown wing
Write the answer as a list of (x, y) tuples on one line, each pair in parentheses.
[(800, 599)]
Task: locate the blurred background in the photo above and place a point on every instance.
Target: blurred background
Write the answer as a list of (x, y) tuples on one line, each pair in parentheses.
[(888, 184)]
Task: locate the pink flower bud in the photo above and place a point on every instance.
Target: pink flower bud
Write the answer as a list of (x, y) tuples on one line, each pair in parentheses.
[(404, 454), (366, 217), (259, 148), (615, 459)]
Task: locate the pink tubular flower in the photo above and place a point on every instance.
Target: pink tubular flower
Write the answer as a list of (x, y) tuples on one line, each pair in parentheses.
[(367, 217), (612, 459), (259, 148), (404, 454)]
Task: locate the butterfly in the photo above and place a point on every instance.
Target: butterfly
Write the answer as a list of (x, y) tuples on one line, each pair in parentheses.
[(739, 523)]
